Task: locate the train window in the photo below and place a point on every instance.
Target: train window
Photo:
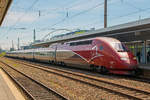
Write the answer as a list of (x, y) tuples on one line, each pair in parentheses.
[(67, 43), (81, 43), (73, 44), (85, 42), (101, 48), (120, 47)]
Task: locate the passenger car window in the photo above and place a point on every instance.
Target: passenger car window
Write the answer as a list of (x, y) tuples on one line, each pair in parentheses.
[(87, 42)]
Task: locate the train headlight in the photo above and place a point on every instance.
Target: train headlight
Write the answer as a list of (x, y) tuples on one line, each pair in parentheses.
[(124, 58)]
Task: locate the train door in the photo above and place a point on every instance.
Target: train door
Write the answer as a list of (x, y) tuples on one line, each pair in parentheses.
[(33, 58)]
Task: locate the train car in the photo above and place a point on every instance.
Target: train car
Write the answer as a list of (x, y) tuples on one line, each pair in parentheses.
[(44, 55), (103, 54), (12, 54)]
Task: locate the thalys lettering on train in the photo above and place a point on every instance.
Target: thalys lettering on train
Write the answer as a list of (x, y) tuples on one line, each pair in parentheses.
[(103, 54)]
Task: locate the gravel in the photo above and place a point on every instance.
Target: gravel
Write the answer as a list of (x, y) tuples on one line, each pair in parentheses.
[(72, 89)]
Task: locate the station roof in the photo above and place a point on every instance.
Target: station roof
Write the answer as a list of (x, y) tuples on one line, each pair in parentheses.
[(4, 6), (132, 31)]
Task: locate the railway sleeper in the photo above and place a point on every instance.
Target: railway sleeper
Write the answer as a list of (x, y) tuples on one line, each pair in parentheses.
[(100, 69)]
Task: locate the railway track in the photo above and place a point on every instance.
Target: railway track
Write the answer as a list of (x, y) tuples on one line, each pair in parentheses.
[(34, 90), (125, 91), (132, 78)]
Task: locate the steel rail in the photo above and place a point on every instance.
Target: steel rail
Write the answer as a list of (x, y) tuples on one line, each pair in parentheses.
[(94, 85), (19, 85), (39, 83)]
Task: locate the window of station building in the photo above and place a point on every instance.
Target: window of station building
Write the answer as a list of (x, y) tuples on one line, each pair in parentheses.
[(81, 43)]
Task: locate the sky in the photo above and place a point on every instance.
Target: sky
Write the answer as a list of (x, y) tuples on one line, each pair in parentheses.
[(47, 16)]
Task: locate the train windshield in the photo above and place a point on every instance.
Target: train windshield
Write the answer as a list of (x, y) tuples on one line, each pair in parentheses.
[(120, 47)]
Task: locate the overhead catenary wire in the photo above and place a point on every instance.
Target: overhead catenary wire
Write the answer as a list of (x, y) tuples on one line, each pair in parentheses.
[(40, 11), (125, 15), (67, 17), (128, 14), (71, 5), (39, 14), (55, 9), (70, 17), (82, 12), (32, 5), (133, 6), (18, 20)]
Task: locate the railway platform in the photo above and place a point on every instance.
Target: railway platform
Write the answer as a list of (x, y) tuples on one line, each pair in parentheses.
[(8, 90), (145, 66), (146, 69)]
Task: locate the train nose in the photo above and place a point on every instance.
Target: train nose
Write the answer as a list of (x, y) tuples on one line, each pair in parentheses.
[(129, 61), (128, 57)]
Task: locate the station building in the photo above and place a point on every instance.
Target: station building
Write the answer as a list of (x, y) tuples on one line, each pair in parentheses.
[(4, 6)]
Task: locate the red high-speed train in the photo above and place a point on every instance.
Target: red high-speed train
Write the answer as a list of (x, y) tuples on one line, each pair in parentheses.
[(104, 54)]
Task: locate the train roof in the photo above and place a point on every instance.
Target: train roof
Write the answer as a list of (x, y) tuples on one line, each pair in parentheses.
[(106, 39), (30, 50)]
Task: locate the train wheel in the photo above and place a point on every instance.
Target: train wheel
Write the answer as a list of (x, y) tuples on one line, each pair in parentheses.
[(103, 70), (52, 62), (98, 68), (62, 63), (93, 67)]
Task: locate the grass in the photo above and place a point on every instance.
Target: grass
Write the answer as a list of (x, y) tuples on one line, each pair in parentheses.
[(2, 54)]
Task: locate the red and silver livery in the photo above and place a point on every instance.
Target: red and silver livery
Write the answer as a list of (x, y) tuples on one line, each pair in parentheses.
[(103, 54)]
